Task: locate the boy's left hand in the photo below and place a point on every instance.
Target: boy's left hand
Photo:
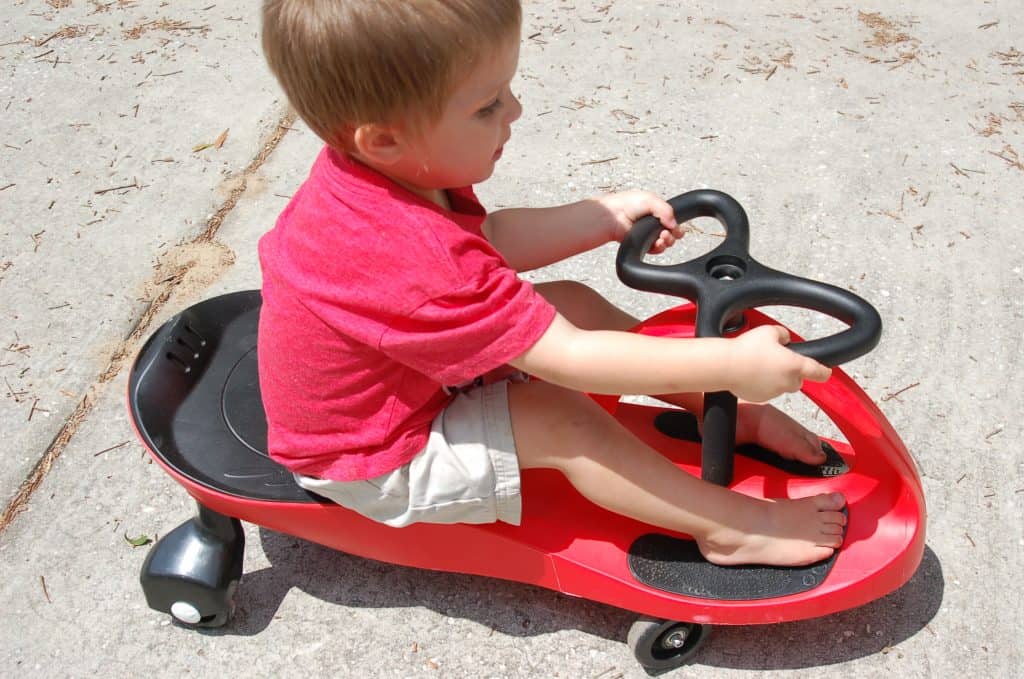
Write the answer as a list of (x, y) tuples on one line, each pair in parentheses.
[(627, 207)]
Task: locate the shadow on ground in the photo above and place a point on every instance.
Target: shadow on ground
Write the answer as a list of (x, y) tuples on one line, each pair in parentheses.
[(521, 610)]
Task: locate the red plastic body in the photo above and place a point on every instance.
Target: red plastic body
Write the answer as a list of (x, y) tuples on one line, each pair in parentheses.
[(567, 544)]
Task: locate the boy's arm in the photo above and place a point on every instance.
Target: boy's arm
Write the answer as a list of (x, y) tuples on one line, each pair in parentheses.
[(755, 366), (529, 238)]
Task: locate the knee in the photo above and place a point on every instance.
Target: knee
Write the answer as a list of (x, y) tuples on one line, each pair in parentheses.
[(568, 292), (583, 306), (559, 428)]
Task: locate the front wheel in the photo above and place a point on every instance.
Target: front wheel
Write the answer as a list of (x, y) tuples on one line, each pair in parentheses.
[(662, 645)]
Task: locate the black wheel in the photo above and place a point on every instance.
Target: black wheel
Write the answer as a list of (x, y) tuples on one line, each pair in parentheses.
[(193, 571), (662, 645)]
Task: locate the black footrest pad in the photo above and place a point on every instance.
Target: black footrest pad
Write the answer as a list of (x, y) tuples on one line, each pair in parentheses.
[(682, 425), (674, 565)]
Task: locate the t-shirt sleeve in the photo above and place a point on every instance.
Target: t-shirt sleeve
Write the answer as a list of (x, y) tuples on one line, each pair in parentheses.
[(474, 328)]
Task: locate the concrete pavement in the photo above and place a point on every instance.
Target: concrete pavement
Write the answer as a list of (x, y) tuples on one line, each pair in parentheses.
[(875, 148)]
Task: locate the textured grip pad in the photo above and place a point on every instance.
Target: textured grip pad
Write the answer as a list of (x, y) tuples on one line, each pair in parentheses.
[(675, 565)]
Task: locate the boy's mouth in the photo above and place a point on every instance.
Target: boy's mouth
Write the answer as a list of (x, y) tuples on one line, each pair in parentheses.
[(497, 154)]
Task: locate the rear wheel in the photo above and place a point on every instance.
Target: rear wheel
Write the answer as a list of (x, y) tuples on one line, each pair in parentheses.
[(193, 571), (662, 645)]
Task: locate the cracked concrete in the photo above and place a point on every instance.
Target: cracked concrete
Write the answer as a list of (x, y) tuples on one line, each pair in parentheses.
[(104, 106)]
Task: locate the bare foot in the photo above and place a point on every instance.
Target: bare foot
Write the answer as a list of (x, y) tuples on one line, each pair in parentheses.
[(779, 532), (771, 428)]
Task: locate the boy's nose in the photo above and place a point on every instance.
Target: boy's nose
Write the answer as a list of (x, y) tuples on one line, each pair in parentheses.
[(515, 110)]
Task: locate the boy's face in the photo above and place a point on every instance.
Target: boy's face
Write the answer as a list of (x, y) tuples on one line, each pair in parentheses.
[(462, 147)]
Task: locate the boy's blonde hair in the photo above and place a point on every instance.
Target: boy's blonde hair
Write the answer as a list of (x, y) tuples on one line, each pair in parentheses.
[(345, 63)]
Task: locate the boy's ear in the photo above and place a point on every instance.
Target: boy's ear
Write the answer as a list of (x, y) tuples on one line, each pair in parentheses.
[(379, 143)]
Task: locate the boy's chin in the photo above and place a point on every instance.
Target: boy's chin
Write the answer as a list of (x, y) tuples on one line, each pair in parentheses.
[(485, 175), (468, 179)]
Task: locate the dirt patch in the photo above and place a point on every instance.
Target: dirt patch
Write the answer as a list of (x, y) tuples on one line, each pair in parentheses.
[(257, 185), (252, 186), (1012, 58), (183, 271), (779, 55), (66, 33), (164, 25), (190, 268), (991, 124), (100, 7), (1011, 157), (890, 41), (886, 31), (1011, 61)]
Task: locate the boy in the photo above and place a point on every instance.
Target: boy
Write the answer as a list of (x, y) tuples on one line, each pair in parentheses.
[(385, 280)]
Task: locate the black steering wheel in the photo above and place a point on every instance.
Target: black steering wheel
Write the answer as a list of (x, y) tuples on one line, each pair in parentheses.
[(727, 281)]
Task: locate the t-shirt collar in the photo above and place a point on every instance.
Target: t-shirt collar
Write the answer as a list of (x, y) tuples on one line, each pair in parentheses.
[(357, 176)]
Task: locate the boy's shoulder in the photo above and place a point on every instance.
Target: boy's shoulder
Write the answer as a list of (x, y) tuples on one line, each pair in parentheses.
[(346, 216)]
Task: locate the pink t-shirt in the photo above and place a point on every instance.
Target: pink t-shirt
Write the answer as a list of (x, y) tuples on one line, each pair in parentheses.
[(373, 298)]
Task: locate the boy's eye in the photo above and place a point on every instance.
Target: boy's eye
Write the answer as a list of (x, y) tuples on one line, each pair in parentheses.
[(489, 109)]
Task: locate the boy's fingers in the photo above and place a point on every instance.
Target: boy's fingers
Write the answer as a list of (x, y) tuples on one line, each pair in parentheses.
[(782, 333), (665, 240), (663, 211), (815, 372)]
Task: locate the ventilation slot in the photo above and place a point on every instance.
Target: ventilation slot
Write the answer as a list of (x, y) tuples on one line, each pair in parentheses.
[(186, 342), (176, 360), (194, 338)]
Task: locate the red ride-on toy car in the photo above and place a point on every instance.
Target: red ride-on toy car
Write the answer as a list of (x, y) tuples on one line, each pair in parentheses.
[(195, 402)]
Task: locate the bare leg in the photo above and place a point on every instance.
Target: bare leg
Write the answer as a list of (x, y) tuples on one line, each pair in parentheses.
[(757, 423), (560, 429), (584, 307)]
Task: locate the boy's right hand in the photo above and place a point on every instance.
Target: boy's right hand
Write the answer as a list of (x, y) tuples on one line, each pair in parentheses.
[(763, 368)]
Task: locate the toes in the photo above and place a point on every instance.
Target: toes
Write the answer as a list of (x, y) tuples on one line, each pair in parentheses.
[(817, 453), (833, 541), (829, 502), (803, 446), (825, 551), (833, 518)]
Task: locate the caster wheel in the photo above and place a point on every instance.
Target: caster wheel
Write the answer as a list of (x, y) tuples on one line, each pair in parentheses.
[(203, 608), (662, 645), (193, 571)]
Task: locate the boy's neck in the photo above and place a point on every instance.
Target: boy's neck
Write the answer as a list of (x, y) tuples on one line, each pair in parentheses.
[(438, 197)]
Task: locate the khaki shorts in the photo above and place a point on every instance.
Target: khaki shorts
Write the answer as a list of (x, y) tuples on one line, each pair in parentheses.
[(468, 472)]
